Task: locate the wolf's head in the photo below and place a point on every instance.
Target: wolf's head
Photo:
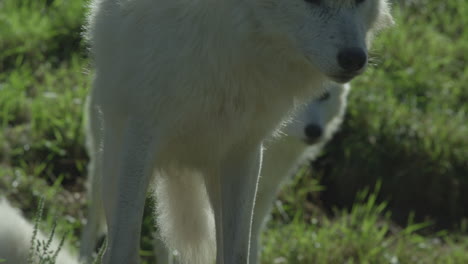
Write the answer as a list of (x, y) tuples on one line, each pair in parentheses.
[(319, 119), (333, 35)]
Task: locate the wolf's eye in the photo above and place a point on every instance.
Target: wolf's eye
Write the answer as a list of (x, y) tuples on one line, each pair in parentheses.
[(360, 2), (324, 96), (315, 2)]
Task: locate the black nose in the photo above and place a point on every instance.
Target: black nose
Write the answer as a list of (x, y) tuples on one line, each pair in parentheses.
[(313, 132), (352, 59)]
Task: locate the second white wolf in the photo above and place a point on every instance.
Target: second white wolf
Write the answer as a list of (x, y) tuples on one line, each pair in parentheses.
[(303, 141)]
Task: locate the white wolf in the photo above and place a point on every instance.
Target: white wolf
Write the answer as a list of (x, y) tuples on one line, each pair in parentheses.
[(15, 238), (303, 140), (186, 90)]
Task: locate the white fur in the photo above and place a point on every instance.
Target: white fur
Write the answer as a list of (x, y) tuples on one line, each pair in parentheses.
[(15, 238), (192, 87), (95, 225)]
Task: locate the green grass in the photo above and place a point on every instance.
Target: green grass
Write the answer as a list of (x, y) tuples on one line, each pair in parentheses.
[(406, 127), (42, 251)]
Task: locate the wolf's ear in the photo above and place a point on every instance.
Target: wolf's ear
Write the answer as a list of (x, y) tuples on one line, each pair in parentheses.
[(385, 19)]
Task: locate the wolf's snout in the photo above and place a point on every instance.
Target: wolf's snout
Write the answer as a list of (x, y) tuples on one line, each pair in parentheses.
[(313, 132), (352, 59)]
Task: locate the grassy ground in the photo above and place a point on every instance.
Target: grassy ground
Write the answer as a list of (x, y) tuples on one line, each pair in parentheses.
[(406, 126)]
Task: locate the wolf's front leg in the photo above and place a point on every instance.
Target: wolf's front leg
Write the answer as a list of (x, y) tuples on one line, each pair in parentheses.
[(232, 194), (128, 157)]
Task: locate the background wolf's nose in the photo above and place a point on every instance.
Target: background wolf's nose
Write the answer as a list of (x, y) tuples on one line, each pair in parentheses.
[(313, 132), (352, 59)]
